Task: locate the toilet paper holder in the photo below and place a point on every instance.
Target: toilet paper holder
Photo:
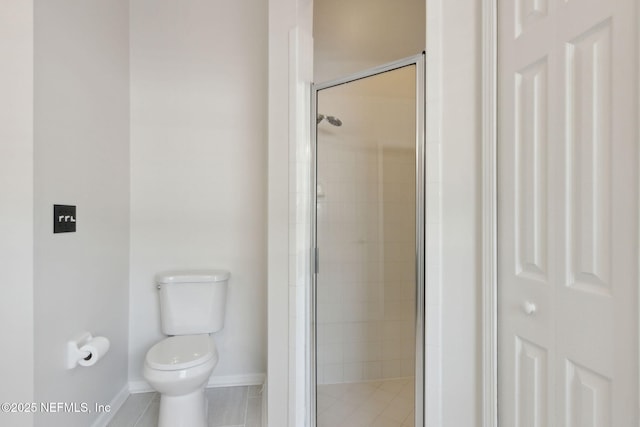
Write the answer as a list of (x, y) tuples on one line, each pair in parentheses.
[(77, 355)]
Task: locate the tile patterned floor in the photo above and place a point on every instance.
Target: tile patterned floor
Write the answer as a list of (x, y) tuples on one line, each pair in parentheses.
[(385, 403), (228, 407)]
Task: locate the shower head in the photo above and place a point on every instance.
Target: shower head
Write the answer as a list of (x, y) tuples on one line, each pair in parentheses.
[(331, 119), (334, 121)]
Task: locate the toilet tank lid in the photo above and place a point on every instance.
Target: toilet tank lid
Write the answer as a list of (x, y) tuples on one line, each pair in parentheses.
[(192, 276)]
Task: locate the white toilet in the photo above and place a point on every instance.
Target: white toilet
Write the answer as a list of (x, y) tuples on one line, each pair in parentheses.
[(192, 306)]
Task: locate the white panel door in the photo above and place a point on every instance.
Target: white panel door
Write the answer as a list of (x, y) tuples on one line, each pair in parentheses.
[(568, 213)]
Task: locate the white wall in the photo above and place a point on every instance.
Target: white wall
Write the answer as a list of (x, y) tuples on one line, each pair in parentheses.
[(351, 36), (198, 162), (16, 206), (453, 105), (81, 144), (290, 71)]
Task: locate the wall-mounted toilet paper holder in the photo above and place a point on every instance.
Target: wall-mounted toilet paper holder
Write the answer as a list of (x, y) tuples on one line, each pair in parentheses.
[(85, 350)]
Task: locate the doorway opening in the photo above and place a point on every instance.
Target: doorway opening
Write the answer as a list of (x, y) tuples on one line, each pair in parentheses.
[(368, 228)]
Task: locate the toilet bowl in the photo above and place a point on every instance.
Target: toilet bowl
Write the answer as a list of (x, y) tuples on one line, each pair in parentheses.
[(179, 368), (192, 307)]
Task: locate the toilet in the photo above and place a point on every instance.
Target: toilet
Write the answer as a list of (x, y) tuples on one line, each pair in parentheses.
[(192, 307)]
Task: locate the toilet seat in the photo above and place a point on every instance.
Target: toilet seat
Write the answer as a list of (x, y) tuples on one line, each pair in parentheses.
[(181, 352)]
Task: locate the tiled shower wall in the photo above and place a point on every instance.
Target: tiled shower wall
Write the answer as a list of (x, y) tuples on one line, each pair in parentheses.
[(366, 236), (398, 327)]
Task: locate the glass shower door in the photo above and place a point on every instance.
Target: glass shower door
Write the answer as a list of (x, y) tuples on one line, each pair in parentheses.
[(367, 291)]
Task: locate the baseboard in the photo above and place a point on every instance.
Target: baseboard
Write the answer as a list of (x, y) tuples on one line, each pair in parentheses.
[(141, 386), (236, 380), (115, 404)]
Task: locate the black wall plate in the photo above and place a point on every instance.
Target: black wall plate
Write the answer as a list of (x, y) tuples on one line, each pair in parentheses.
[(64, 219)]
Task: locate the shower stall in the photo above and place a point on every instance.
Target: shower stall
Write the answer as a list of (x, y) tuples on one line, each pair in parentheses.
[(368, 287)]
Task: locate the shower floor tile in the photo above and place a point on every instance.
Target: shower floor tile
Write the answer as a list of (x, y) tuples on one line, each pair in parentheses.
[(385, 403)]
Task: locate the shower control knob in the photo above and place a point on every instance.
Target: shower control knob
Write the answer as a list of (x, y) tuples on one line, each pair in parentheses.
[(529, 307)]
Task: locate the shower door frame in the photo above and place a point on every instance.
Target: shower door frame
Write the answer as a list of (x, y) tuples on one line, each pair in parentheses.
[(420, 379)]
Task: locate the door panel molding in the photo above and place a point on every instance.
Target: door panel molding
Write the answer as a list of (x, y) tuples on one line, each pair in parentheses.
[(531, 169), (532, 367), (588, 138), (588, 396)]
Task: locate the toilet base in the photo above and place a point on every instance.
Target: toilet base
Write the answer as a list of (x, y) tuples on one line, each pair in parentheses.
[(188, 410)]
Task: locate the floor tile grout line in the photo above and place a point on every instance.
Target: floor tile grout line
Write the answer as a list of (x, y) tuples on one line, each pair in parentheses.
[(246, 407), (146, 408)]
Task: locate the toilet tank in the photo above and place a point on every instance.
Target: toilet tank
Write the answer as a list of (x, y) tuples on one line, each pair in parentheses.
[(192, 301)]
